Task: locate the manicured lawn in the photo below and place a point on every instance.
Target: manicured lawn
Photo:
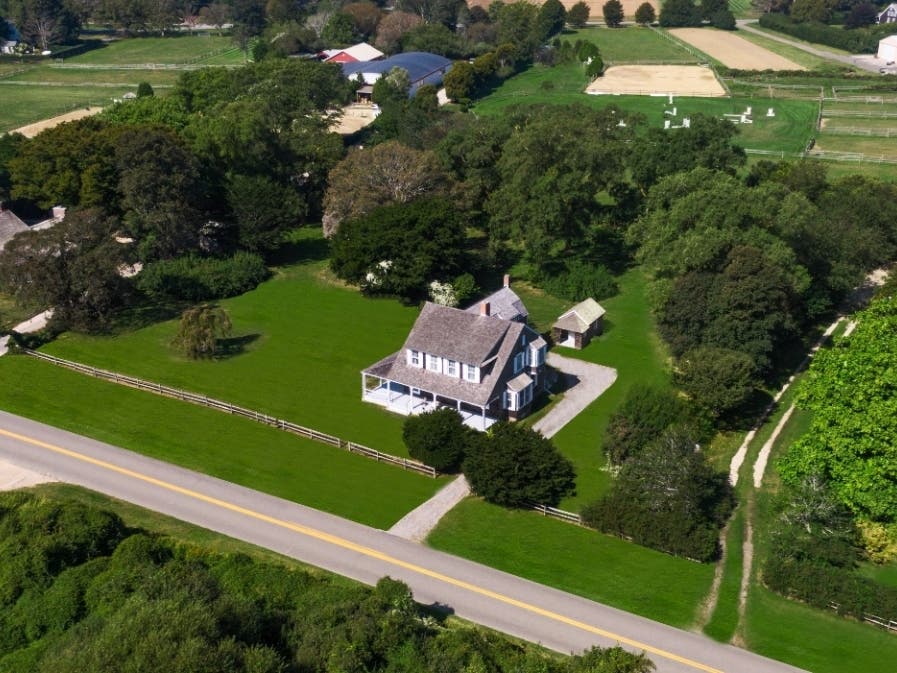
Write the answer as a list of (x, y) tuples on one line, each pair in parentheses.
[(869, 146), (575, 559), (27, 103), (309, 339), (175, 49), (813, 639), (218, 444), (632, 44)]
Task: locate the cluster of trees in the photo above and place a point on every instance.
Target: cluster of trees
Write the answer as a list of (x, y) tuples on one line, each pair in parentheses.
[(82, 592), (855, 35), (510, 465), (227, 163), (683, 13), (666, 495), (815, 550), (42, 23), (741, 268)]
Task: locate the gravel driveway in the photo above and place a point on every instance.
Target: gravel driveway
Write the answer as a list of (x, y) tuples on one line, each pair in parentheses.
[(586, 382)]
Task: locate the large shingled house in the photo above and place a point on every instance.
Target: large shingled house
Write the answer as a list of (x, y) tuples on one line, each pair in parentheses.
[(486, 367)]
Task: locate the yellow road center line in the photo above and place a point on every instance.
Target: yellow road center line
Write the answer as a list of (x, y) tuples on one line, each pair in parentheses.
[(366, 551)]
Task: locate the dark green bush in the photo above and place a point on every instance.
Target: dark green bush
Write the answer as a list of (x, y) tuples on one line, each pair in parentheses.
[(193, 278), (437, 438), (580, 281)]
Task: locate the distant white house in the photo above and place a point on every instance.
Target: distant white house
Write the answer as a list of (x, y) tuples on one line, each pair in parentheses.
[(887, 49), (889, 15)]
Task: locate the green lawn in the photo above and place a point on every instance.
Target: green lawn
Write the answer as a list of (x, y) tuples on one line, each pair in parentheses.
[(24, 104), (632, 44), (175, 49), (309, 338), (575, 559), (815, 640), (883, 574), (228, 447), (799, 56), (94, 77), (867, 145)]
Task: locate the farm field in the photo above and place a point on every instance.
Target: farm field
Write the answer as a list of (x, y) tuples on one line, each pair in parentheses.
[(224, 446), (174, 50), (733, 51), (798, 56), (631, 44), (578, 560), (34, 92), (885, 148), (595, 13), (681, 80), (25, 104), (307, 344)]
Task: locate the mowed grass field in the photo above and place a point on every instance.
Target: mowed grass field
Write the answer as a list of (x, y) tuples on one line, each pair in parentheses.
[(308, 340), (215, 443), (34, 91), (630, 44), (582, 561)]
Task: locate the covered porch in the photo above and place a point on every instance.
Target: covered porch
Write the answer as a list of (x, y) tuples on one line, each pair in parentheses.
[(402, 399)]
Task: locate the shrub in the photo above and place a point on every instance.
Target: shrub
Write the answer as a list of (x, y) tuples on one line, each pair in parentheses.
[(645, 14), (679, 14), (580, 281), (193, 278), (437, 438), (724, 19), (514, 465), (578, 15)]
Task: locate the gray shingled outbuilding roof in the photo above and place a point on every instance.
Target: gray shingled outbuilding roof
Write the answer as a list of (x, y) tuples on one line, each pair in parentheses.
[(504, 304), (578, 318), (10, 225)]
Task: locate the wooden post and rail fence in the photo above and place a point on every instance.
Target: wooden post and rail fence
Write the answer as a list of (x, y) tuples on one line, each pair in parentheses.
[(233, 409)]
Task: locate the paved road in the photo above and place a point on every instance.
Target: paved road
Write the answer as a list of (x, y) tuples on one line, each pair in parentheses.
[(561, 621), (863, 62)]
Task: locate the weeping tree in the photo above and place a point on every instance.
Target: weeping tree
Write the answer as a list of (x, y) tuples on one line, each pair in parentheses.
[(200, 330)]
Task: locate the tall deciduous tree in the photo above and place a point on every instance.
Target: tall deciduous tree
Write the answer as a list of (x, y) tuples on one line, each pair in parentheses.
[(383, 174), (263, 209), (392, 27), (645, 14), (718, 379), (578, 14), (613, 13), (551, 19)]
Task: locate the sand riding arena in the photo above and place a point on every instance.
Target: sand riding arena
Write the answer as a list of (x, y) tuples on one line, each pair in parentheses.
[(678, 80)]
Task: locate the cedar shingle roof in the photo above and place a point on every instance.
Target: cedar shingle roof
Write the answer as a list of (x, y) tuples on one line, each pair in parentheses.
[(578, 318), (10, 225), (455, 334), (452, 333), (504, 304)]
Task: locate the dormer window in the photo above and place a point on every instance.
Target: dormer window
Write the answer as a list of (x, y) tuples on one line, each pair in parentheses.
[(451, 367), (472, 373), (414, 358), (434, 363)]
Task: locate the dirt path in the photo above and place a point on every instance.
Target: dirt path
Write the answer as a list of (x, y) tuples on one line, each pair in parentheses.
[(31, 130), (705, 612)]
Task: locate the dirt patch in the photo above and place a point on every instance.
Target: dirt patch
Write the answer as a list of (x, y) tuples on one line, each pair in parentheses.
[(32, 130), (595, 12), (13, 477), (680, 80), (354, 118), (733, 51)]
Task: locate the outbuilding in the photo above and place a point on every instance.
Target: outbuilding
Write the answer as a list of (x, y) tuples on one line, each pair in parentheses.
[(576, 327), (887, 49), (422, 68)]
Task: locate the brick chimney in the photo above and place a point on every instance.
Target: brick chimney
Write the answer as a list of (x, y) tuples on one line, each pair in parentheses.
[(507, 280), (484, 308)]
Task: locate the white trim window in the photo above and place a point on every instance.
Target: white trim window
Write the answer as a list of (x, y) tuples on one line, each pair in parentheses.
[(519, 361), (472, 373), (526, 396), (508, 401), (434, 363), (414, 358), (451, 367)]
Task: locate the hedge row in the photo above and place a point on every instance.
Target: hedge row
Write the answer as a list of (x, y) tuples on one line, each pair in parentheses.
[(823, 585), (858, 40), (193, 278)]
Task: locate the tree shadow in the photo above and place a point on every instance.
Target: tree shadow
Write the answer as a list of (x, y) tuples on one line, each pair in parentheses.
[(301, 251), (233, 346)]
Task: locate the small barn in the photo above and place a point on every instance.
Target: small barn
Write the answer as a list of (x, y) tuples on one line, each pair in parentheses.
[(576, 327), (887, 49), (357, 53), (10, 225)]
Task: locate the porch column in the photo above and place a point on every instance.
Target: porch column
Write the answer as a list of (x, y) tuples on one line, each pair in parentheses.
[(364, 381)]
